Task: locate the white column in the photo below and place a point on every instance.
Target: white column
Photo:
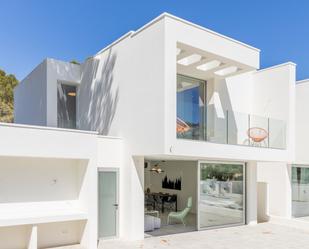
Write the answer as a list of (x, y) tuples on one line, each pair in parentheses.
[(33, 241), (251, 217)]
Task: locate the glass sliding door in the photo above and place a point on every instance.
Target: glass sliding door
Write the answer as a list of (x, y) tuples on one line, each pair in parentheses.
[(191, 108), (300, 190), (221, 194), (108, 203)]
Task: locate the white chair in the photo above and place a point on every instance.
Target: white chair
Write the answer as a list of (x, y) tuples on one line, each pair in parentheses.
[(151, 223), (148, 223)]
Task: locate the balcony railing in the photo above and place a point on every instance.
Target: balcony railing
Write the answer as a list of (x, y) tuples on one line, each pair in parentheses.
[(229, 127)]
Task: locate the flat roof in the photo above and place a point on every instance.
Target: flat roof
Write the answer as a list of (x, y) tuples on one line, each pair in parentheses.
[(164, 15)]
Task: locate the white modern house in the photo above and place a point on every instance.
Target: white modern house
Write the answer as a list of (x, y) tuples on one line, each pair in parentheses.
[(170, 124)]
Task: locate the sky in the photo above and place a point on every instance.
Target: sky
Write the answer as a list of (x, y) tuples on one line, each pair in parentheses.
[(31, 30)]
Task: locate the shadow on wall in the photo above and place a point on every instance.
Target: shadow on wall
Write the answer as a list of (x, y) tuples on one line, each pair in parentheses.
[(65, 71), (98, 95), (218, 121)]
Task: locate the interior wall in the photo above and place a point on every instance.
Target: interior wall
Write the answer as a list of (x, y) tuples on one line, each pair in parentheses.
[(187, 170)]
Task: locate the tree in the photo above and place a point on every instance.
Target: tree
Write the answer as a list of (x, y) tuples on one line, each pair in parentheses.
[(75, 62), (7, 84)]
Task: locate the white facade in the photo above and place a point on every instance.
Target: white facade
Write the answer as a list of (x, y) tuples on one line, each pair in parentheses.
[(126, 114)]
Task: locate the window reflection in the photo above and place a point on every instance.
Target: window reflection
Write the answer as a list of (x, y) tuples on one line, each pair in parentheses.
[(191, 95)]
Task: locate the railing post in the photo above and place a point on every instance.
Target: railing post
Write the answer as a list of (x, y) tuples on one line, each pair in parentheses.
[(227, 126), (205, 122), (268, 133), (248, 130)]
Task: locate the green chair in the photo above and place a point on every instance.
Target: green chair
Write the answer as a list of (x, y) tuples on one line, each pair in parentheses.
[(181, 215)]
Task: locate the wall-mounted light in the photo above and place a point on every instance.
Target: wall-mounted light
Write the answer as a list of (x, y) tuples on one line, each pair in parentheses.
[(72, 94)]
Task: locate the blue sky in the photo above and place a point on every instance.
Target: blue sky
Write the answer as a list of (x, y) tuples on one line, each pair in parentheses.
[(32, 30)]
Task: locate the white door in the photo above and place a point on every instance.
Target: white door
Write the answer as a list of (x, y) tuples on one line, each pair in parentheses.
[(108, 203)]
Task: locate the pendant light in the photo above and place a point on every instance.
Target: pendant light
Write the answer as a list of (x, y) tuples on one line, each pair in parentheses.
[(156, 168)]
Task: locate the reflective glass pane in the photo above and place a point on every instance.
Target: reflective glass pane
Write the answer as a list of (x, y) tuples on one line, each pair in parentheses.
[(221, 194), (277, 131), (107, 200), (258, 131), (300, 191), (66, 106), (190, 108), (216, 125), (238, 126)]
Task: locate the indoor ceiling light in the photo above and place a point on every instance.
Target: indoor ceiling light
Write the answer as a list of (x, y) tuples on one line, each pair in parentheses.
[(72, 94), (209, 65), (186, 61), (157, 169), (226, 71)]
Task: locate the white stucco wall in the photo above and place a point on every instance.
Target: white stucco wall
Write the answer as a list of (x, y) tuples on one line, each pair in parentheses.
[(30, 104), (274, 97), (38, 179), (302, 122), (35, 98), (58, 72), (251, 193), (278, 178), (56, 182), (121, 92)]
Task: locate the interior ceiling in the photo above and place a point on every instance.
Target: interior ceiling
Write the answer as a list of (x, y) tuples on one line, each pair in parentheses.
[(201, 64), (160, 158)]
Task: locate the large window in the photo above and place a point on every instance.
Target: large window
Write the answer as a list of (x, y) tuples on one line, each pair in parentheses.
[(66, 106), (222, 194), (300, 190), (191, 111)]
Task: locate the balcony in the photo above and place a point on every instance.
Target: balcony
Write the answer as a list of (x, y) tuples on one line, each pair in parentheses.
[(229, 127)]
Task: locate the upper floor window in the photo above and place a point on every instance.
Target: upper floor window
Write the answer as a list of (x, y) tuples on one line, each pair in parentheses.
[(191, 111), (66, 106)]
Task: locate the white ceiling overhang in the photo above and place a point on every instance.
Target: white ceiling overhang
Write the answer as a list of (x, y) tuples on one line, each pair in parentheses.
[(201, 64)]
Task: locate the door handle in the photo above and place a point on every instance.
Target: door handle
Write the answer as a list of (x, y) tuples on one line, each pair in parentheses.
[(116, 205)]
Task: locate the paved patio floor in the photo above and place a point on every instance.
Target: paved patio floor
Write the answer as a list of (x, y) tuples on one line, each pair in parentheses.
[(261, 236)]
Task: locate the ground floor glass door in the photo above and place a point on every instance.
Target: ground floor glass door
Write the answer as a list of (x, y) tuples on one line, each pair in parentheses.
[(300, 190), (108, 203), (221, 194)]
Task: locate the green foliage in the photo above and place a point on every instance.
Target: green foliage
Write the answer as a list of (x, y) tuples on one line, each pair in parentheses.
[(74, 62), (7, 84), (222, 172)]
